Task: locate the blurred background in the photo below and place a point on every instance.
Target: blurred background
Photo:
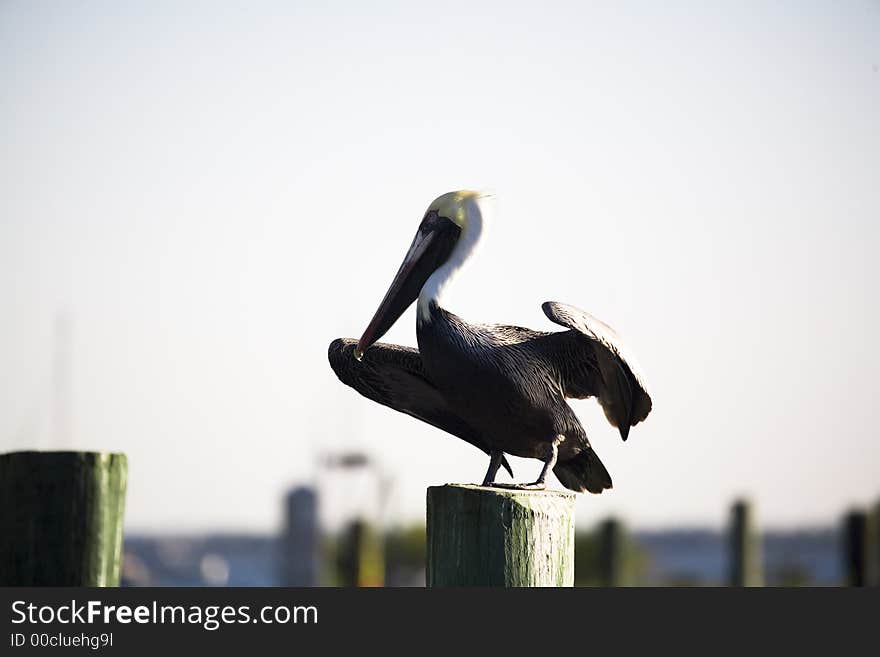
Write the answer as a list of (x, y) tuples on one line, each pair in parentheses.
[(196, 198)]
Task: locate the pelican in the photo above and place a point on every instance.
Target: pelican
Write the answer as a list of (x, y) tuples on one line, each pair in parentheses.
[(500, 388)]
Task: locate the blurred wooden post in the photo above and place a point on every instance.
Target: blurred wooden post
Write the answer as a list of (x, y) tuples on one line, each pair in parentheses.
[(361, 560), (611, 553), (855, 548), (61, 518), (300, 542), (499, 537), (746, 568), (875, 545)]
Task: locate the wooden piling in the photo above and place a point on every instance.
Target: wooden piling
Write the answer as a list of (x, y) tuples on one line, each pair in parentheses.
[(61, 518), (361, 559), (874, 545), (856, 546), (746, 567), (300, 542), (612, 557), (499, 537)]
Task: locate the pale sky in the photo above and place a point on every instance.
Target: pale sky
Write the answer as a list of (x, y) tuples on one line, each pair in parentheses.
[(213, 193)]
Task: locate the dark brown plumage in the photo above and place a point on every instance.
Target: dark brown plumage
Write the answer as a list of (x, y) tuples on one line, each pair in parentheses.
[(504, 387), (500, 388)]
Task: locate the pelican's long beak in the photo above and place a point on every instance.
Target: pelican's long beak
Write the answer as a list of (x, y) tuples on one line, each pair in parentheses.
[(430, 248)]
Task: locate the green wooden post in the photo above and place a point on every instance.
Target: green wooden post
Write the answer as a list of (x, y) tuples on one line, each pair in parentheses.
[(746, 568), (61, 518), (499, 537), (612, 559), (361, 558), (856, 548)]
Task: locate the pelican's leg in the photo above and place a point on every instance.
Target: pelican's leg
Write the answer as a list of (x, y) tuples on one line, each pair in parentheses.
[(549, 462), (494, 464)]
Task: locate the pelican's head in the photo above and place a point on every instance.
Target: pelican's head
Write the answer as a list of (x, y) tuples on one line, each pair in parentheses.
[(445, 222), (456, 206)]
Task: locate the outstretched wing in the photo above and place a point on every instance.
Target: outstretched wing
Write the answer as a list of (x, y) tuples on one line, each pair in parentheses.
[(394, 377), (595, 363)]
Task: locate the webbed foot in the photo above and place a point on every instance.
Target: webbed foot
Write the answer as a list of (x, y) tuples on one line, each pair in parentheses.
[(535, 485)]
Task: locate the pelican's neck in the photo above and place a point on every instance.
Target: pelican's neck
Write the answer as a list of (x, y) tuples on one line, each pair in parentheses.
[(438, 283)]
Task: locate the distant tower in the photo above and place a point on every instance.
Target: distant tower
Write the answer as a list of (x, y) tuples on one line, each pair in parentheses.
[(62, 382), (299, 544)]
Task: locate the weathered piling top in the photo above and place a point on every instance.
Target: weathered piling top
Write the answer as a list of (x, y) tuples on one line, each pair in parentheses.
[(481, 536)]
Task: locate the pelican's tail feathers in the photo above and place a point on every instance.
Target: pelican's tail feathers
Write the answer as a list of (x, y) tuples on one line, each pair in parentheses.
[(584, 472)]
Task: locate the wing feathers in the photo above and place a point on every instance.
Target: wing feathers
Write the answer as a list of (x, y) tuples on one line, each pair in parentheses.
[(394, 377), (622, 391)]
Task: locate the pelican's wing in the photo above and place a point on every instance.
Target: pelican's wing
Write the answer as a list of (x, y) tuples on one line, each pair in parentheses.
[(595, 363), (394, 377)]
